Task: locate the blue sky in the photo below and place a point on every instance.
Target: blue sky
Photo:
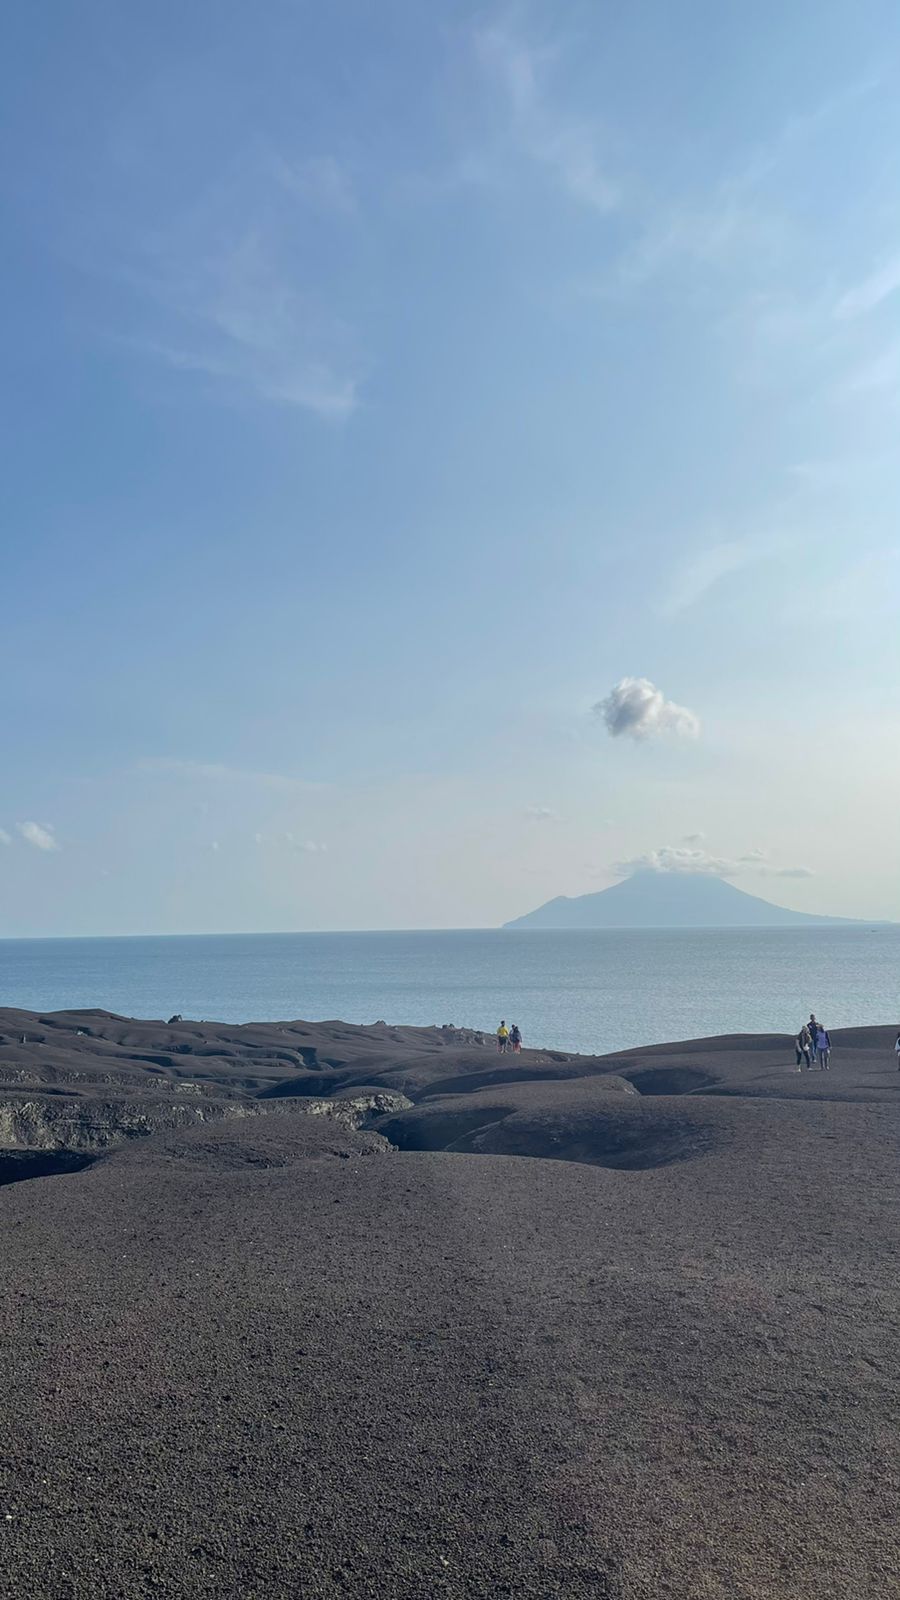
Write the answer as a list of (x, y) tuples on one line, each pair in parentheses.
[(384, 386)]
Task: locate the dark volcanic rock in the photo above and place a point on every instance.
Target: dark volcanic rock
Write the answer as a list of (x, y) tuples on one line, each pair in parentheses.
[(16, 1165), (655, 1360)]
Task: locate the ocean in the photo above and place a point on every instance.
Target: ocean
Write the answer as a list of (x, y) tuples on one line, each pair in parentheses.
[(587, 991)]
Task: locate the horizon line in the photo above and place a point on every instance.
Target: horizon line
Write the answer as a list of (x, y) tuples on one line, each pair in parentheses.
[(817, 921)]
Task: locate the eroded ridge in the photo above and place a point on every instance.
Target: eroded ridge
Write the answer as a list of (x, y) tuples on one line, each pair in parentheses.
[(80, 1083)]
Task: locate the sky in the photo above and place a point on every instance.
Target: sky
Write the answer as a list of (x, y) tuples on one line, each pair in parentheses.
[(449, 456)]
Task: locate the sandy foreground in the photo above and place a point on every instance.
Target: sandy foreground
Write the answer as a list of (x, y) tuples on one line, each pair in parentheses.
[(312, 1310)]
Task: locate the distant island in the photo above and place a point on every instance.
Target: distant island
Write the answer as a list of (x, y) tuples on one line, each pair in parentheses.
[(651, 899)]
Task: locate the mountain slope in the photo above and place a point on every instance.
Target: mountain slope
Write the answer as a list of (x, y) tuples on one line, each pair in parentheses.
[(667, 900)]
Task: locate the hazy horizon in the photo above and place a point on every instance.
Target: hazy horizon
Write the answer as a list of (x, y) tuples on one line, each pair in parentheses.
[(450, 460), (206, 933)]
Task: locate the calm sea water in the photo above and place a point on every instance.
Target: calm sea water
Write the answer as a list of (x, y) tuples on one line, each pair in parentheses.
[(580, 991)]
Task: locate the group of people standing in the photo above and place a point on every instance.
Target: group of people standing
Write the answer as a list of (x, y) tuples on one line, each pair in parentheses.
[(813, 1045), (508, 1037)]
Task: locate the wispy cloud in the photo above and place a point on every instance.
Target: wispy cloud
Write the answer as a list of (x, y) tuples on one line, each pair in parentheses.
[(321, 180), (213, 268), (872, 291), (540, 128), (728, 229), (218, 773), (236, 314), (38, 834), (740, 222), (867, 587), (310, 387), (757, 861), (702, 572), (636, 708), (878, 372), (786, 872), (289, 840), (5, 838), (677, 858), (827, 475)]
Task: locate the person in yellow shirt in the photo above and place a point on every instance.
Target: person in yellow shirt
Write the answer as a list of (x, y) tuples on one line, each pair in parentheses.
[(502, 1039)]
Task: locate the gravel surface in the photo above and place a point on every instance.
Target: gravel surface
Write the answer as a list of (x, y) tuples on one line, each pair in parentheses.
[(272, 1354)]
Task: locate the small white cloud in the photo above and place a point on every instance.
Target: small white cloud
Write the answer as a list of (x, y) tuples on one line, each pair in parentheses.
[(214, 845), (258, 838), (309, 847), (39, 834), (689, 858), (637, 708), (5, 838), (542, 814)]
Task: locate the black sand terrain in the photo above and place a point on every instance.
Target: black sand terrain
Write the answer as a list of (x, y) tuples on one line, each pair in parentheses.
[(312, 1310)]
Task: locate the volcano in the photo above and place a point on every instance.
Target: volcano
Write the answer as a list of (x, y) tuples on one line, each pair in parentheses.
[(651, 899)]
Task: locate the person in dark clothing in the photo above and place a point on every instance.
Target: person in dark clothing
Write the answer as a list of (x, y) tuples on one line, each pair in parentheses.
[(515, 1038), (803, 1048)]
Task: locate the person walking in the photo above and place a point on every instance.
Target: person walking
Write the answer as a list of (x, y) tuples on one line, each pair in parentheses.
[(812, 1028), (803, 1048), (502, 1039), (515, 1038), (897, 1050), (823, 1047)]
